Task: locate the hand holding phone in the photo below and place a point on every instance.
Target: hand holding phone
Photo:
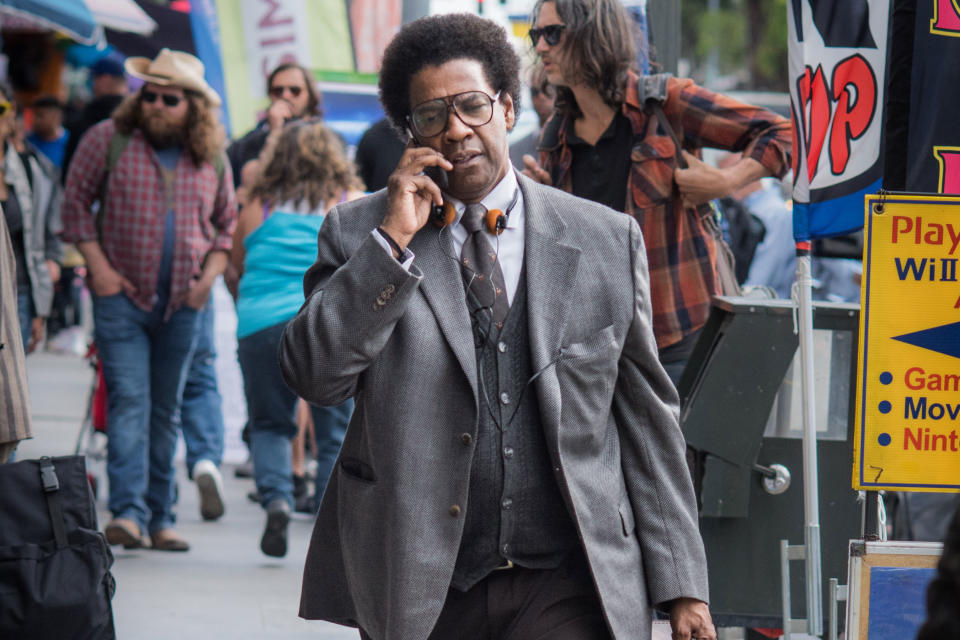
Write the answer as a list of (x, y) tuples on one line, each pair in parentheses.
[(413, 189)]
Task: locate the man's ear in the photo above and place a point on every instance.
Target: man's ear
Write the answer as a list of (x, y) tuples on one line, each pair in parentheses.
[(509, 115)]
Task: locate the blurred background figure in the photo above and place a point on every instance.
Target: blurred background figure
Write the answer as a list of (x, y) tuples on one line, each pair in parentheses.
[(154, 246), (378, 153), (31, 197), (293, 96), (774, 260), (543, 95), (109, 88), (301, 178), (48, 135)]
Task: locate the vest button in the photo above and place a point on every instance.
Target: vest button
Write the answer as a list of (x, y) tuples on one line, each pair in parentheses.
[(502, 347), (455, 511), (466, 439), (508, 452), (507, 504), (505, 398)]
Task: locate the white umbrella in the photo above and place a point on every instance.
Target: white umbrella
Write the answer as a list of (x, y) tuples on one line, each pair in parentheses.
[(121, 15)]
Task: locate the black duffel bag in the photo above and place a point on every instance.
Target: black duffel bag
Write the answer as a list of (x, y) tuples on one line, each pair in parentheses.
[(55, 579)]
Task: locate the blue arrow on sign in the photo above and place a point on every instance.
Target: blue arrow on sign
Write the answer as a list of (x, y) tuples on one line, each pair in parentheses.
[(944, 339)]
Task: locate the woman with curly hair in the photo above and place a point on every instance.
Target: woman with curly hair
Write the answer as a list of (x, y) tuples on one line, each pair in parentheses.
[(303, 174)]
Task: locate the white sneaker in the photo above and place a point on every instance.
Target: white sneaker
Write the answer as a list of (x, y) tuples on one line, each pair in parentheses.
[(210, 488)]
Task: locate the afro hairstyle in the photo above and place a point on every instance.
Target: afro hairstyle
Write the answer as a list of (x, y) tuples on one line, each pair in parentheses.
[(435, 40)]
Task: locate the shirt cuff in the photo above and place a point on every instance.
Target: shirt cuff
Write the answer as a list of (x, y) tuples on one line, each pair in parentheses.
[(386, 247)]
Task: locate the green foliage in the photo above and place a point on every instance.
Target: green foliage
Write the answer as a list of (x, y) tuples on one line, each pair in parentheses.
[(750, 37)]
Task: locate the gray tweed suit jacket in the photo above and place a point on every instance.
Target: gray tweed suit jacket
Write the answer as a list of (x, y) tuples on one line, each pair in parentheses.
[(386, 539)]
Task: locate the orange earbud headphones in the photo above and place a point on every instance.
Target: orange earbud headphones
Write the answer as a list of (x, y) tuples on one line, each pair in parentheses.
[(495, 220)]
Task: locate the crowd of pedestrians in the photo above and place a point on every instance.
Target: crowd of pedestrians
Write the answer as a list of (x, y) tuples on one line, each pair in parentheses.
[(460, 480)]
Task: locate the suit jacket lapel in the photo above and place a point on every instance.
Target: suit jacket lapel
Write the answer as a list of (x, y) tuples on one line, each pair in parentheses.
[(443, 287), (551, 264)]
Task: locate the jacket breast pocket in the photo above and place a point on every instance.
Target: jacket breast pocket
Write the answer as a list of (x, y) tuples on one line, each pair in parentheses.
[(591, 345), (653, 163), (355, 469), (587, 375)]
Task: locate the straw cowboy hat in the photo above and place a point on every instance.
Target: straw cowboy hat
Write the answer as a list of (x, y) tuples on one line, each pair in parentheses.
[(173, 68)]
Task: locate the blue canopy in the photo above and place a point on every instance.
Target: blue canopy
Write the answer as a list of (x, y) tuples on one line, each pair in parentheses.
[(70, 16)]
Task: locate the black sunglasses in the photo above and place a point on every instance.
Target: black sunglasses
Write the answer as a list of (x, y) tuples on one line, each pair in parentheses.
[(277, 91), (151, 96), (551, 33)]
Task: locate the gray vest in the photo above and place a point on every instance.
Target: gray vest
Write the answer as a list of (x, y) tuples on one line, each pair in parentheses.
[(514, 507)]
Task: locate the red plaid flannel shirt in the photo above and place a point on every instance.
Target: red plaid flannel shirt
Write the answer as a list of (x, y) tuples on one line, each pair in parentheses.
[(681, 248), (132, 224)]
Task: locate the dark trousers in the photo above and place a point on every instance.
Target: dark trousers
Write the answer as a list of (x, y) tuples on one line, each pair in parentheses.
[(525, 604), (674, 358)]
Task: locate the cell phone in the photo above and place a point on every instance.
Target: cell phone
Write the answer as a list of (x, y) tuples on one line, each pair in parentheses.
[(438, 175)]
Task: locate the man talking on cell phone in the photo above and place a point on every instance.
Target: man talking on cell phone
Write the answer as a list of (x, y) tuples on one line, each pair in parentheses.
[(514, 468)]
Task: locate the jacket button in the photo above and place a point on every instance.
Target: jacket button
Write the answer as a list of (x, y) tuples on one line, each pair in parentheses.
[(455, 511), (466, 439)]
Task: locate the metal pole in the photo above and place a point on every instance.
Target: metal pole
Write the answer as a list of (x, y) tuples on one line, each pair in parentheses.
[(663, 27), (811, 501)]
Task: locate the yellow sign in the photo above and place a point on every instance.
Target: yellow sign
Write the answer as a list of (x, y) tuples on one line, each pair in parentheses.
[(908, 378)]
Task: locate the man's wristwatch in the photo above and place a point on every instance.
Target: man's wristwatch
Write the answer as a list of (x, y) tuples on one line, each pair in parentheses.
[(402, 254)]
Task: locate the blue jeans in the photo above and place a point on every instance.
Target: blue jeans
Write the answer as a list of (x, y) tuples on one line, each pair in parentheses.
[(271, 408), (25, 314), (201, 414), (145, 367)]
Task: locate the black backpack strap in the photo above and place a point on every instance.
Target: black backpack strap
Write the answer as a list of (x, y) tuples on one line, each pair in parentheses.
[(665, 125), (51, 491), (118, 142), (652, 90)]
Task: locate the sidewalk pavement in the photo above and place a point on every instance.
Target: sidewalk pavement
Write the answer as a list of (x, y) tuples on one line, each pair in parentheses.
[(224, 587)]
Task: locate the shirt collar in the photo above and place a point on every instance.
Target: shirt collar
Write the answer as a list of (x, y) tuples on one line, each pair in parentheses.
[(500, 197)]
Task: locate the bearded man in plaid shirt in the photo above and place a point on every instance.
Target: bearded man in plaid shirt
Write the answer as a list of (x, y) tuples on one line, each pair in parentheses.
[(605, 145), (153, 247)]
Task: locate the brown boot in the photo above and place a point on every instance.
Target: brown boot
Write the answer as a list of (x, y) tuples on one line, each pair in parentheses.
[(124, 531), (168, 540)]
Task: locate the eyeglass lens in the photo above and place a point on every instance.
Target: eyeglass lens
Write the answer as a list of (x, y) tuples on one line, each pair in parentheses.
[(277, 91), (551, 33), (151, 96), (474, 108)]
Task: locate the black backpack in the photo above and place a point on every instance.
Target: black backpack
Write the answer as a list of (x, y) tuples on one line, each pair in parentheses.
[(55, 580), (746, 232)]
